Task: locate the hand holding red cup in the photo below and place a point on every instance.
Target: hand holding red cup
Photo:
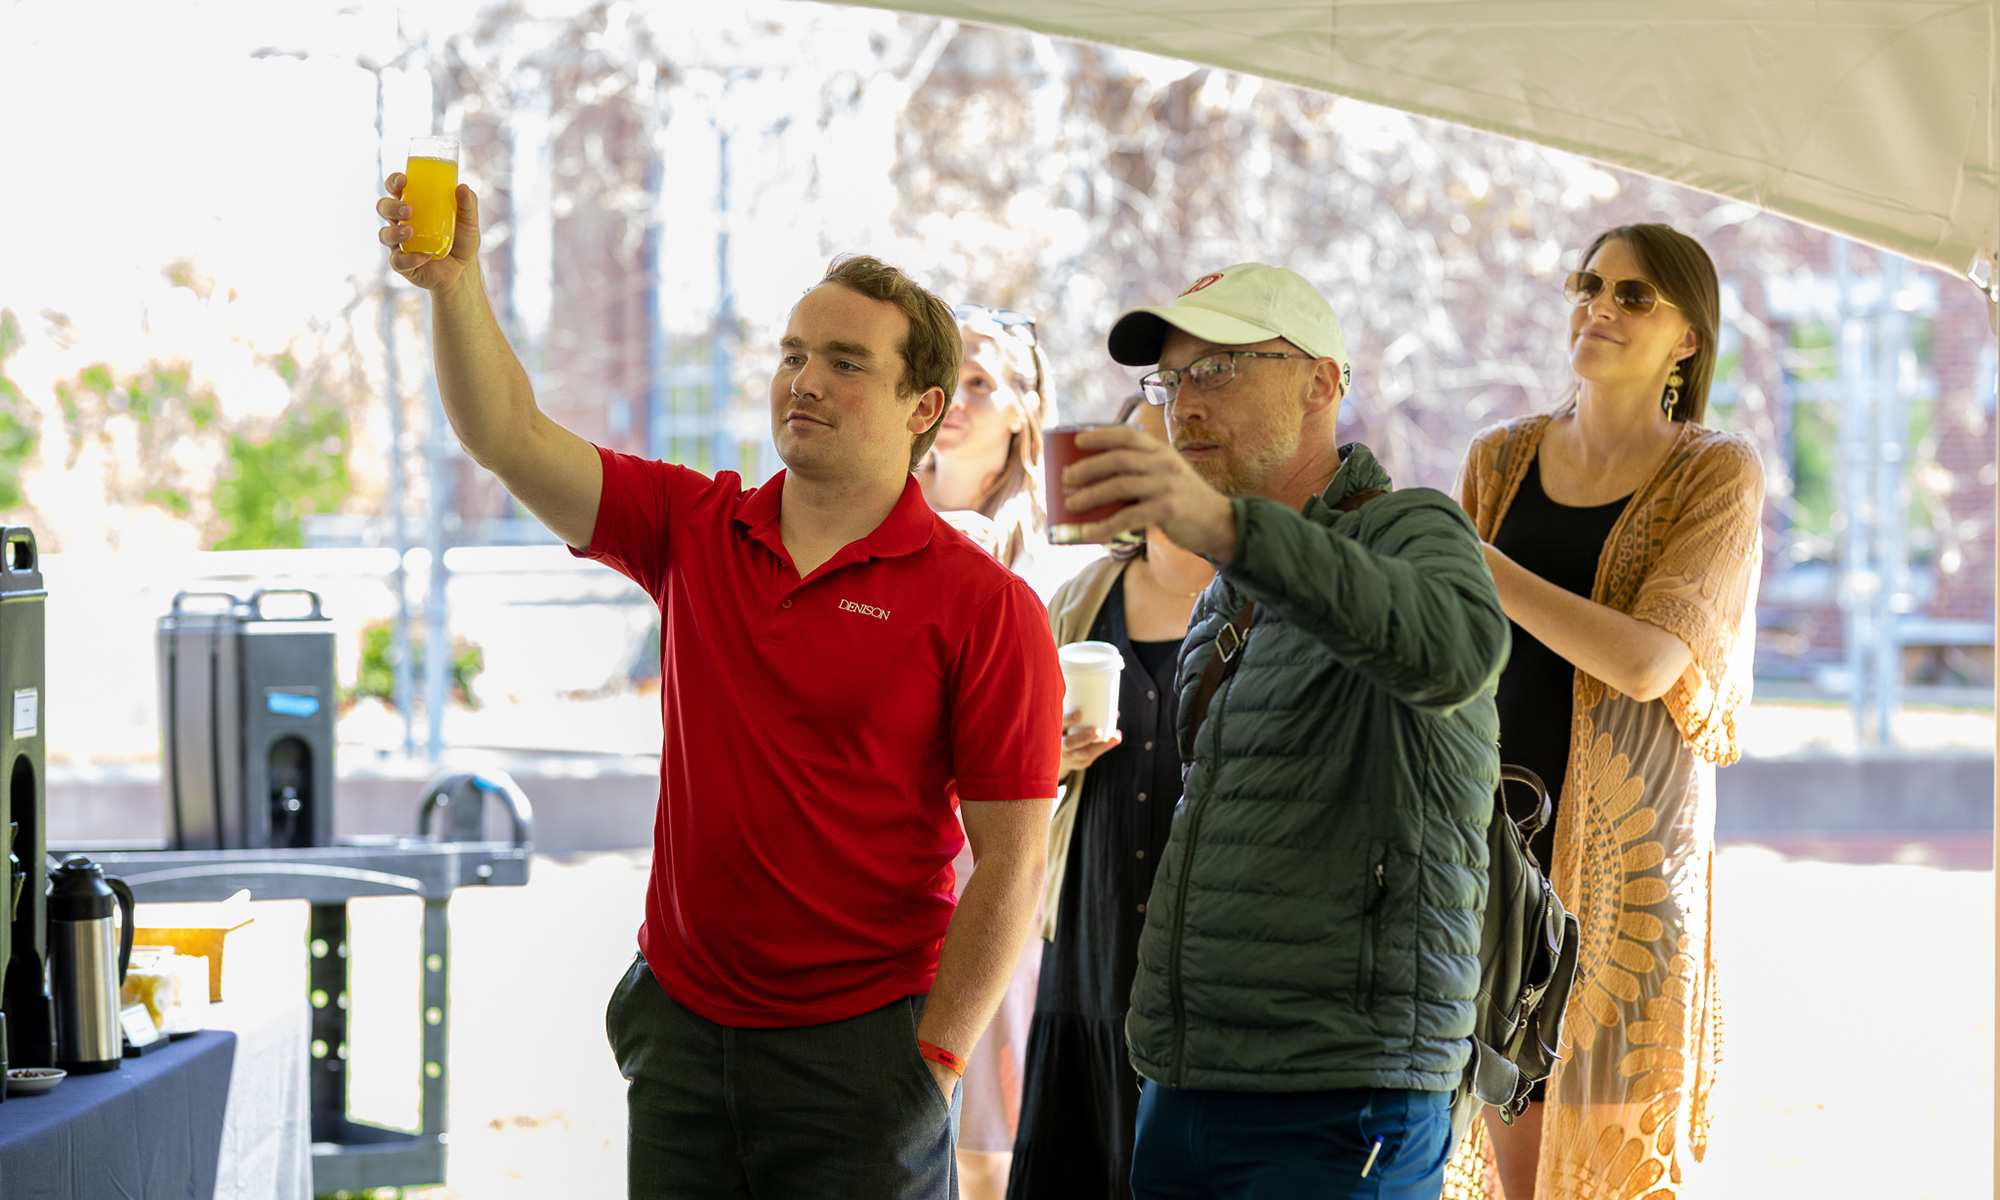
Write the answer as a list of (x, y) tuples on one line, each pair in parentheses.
[(1110, 482), (1069, 526)]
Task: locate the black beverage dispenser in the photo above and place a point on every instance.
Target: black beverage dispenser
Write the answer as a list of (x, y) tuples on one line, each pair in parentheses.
[(25, 1006), (247, 709)]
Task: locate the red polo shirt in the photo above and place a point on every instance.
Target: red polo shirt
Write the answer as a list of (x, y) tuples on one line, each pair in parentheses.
[(819, 734)]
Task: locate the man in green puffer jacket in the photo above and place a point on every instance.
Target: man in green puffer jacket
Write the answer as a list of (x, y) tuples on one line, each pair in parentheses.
[(1310, 955)]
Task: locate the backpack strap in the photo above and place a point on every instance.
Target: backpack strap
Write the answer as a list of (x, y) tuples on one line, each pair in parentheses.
[(1230, 642)]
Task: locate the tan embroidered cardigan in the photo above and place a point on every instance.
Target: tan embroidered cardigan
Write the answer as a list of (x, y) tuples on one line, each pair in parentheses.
[(1072, 611), (1684, 556), (1627, 1112)]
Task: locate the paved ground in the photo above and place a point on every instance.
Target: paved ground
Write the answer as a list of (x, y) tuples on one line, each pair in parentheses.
[(1859, 1001), (1858, 1005)]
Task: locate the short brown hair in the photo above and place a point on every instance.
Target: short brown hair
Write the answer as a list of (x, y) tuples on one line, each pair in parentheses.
[(1685, 274), (930, 352)]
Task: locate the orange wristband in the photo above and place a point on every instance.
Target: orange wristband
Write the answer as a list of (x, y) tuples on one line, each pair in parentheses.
[(942, 1057)]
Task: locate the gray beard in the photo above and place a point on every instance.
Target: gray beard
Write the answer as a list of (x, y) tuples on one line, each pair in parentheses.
[(1217, 474), (1235, 477)]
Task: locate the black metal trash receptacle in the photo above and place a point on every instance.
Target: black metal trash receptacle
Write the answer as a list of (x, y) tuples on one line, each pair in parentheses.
[(247, 707)]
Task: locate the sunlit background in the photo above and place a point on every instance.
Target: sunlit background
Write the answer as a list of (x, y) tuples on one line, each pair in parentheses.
[(208, 380)]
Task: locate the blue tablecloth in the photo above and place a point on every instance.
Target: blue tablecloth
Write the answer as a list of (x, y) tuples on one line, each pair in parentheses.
[(148, 1131)]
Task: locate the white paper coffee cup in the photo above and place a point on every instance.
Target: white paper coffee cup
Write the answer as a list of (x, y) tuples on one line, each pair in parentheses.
[(1090, 679)]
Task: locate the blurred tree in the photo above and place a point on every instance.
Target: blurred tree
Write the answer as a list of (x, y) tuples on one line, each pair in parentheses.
[(153, 432), (269, 486), (162, 440), (1073, 181), (377, 674), (1066, 180), (17, 438)]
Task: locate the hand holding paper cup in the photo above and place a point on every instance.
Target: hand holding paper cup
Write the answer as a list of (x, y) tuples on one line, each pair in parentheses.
[(1090, 681)]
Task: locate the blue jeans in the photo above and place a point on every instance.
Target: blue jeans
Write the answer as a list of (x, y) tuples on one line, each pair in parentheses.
[(1280, 1145)]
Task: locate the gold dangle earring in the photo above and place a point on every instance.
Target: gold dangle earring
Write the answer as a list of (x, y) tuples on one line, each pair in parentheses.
[(1672, 399)]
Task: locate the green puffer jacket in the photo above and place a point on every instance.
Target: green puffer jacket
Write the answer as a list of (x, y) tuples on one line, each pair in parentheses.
[(1315, 921)]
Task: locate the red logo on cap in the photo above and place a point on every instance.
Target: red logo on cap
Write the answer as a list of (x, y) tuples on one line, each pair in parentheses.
[(1201, 283)]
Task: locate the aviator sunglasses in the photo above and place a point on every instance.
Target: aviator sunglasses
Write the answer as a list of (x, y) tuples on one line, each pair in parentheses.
[(1635, 296), (1021, 325)]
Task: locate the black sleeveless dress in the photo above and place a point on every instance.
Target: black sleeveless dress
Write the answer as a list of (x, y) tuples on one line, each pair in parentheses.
[(1080, 1096), (1561, 544)]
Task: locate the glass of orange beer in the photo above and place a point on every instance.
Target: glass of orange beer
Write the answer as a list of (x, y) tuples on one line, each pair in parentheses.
[(431, 191)]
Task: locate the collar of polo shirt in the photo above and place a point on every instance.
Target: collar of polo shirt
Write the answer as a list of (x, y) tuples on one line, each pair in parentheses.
[(906, 530)]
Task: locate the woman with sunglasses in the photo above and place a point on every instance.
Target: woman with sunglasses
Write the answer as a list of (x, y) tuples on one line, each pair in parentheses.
[(984, 476), (985, 468), (1080, 1097), (1624, 537)]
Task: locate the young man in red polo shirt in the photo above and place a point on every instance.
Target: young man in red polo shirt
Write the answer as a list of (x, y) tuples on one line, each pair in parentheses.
[(839, 667)]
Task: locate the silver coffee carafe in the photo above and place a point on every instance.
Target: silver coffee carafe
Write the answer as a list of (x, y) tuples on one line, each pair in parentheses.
[(88, 955)]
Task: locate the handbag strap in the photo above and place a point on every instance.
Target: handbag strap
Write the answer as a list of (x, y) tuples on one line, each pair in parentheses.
[(1229, 645)]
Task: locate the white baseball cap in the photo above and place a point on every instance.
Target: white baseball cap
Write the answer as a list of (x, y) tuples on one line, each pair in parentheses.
[(1249, 302)]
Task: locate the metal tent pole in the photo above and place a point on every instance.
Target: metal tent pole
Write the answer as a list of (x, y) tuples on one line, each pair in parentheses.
[(1991, 287), (1892, 560), (399, 653), (1860, 583), (437, 613), (727, 455)]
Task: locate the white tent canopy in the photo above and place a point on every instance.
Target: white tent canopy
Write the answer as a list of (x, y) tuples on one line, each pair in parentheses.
[(1874, 119)]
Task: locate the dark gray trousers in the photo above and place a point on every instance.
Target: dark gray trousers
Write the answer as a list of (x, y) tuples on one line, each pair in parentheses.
[(846, 1109)]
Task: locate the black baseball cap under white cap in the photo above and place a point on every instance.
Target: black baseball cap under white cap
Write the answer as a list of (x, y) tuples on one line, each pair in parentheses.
[(1236, 306)]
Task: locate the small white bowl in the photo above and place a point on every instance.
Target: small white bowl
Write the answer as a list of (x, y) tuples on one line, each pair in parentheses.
[(31, 1081)]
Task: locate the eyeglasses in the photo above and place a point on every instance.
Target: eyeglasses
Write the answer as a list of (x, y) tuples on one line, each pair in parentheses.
[(1206, 374), (1021, 325), (1635, 296)]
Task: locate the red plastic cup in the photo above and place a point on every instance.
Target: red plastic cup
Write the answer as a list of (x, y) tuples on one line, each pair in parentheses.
[(1059, 450)]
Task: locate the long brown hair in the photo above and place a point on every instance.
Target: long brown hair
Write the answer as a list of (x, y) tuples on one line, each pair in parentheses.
[(1014, 502), (1685, 274)]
